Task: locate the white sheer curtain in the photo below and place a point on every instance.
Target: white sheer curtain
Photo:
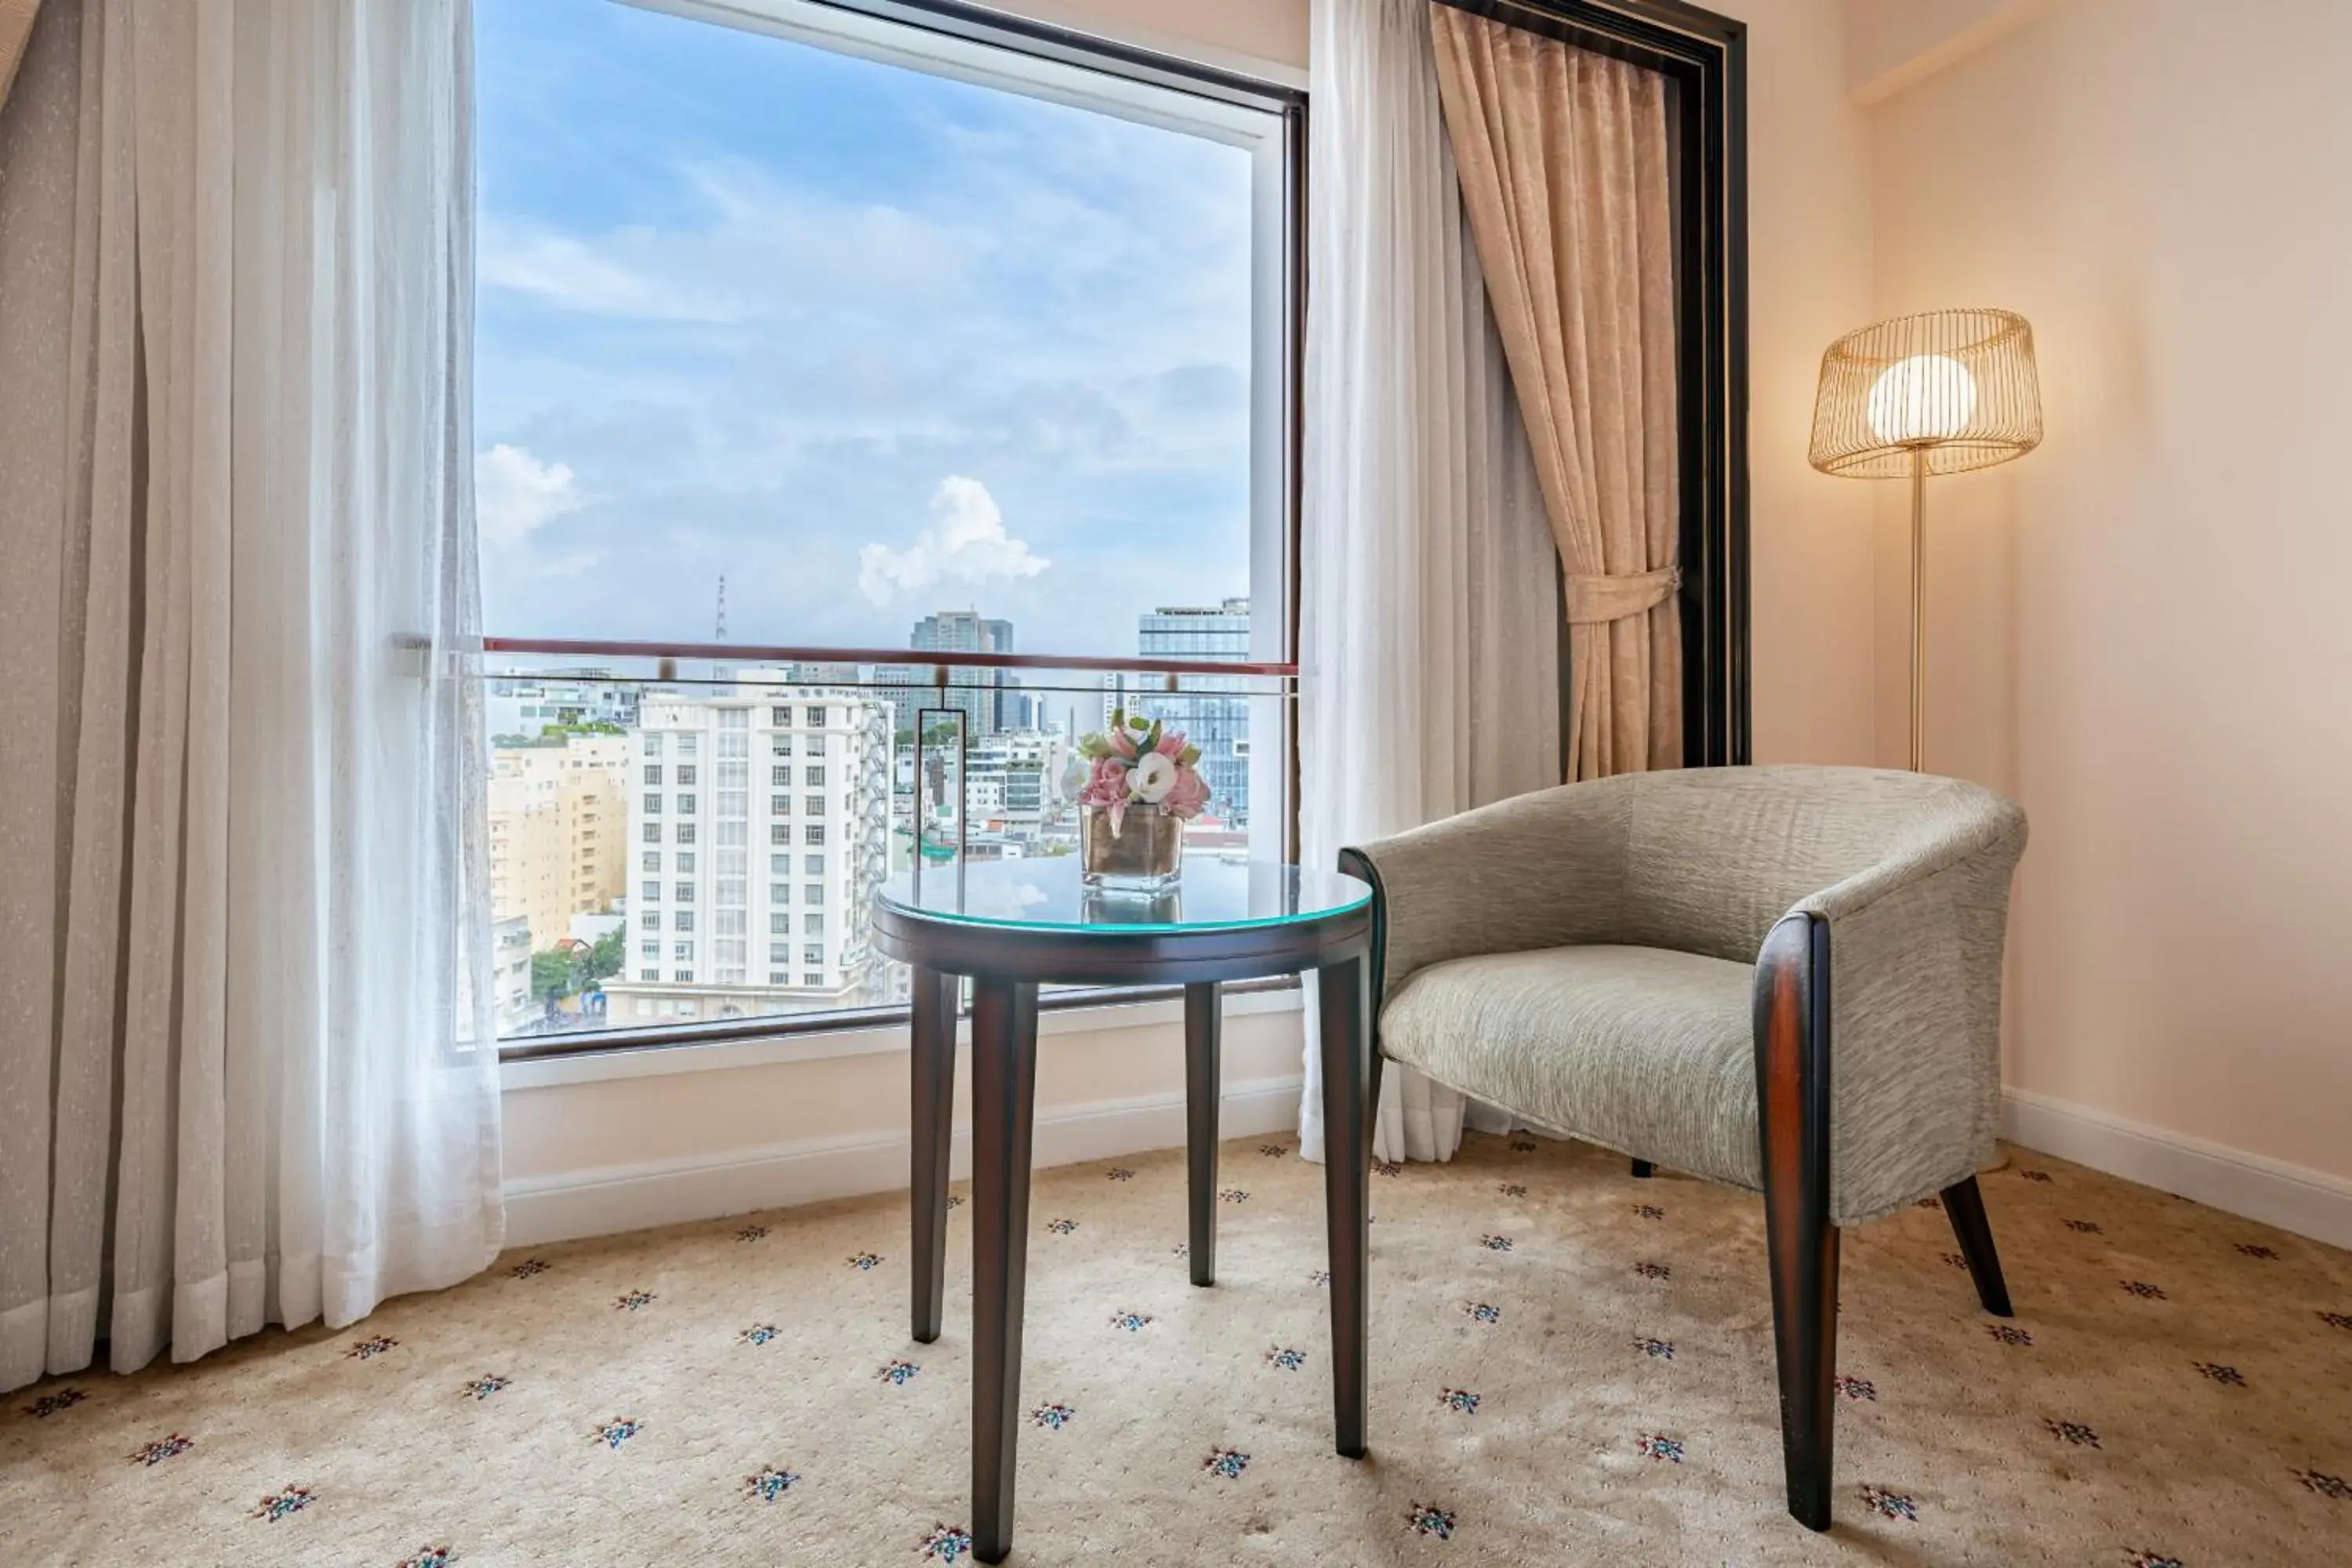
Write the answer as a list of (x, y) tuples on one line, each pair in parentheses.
[(245, 1069), (1429, 615)]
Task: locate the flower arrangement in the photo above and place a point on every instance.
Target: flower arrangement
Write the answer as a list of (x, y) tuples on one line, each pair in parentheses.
[(1136, 762)]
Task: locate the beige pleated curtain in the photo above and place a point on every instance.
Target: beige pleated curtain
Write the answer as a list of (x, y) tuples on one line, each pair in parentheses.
[(16, 30), (1565, 177)]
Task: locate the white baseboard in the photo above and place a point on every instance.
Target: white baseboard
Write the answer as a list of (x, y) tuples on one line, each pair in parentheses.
[(603, 1200), (2309, 1202)]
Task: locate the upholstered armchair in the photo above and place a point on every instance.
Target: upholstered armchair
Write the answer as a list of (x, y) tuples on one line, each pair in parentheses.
[(1784, 978)]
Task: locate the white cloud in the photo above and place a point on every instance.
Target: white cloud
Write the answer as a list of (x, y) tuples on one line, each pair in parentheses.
[(968, 544), (749, 249), (605, 278), (515, 493)]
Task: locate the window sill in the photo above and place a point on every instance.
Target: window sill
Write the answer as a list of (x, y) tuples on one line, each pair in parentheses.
[(661, 1061)]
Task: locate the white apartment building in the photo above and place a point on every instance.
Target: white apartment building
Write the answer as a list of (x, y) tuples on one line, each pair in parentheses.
[(1012, 780), (515, 1007), (759, 828)]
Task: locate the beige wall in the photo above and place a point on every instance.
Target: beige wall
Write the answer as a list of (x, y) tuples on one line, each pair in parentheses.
[(1890, 43), (692, 1118), (2140, 630), (1217, 32)]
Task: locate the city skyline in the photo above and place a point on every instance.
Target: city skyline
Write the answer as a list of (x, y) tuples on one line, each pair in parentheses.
[(868, 341)]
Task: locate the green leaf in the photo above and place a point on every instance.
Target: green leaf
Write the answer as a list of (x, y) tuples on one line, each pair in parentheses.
[(1150, 742), (1190, 756)]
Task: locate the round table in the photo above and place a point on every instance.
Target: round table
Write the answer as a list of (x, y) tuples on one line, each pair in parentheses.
[(1012, 925)]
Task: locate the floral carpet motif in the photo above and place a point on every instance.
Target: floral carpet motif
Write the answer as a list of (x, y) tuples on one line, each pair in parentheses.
[(2176, 1389)]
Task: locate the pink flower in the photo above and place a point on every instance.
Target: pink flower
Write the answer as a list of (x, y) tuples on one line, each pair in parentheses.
[(1123, 744), (1186, 798), (1107, 787), (1171, 743)]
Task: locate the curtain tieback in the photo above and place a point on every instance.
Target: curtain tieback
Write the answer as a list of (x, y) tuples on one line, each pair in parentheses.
[(1596, 599)]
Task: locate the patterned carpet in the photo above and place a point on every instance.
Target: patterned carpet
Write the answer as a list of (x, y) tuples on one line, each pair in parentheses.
[(1570, 1366)]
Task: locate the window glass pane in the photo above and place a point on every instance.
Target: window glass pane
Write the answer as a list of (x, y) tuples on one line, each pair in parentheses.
[(825, 349)]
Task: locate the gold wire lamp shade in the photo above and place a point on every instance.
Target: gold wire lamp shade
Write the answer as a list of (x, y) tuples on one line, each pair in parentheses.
[(1938, 393), (1954, 388)]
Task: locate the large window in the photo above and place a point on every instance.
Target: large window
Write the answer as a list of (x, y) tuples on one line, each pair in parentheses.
[(906, 357)]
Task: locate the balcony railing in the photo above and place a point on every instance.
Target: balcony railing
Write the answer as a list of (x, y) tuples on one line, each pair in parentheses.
[(758, 653), (669, 999)]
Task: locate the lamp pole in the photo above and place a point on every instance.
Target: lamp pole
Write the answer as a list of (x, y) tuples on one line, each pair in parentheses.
[(1918, 606)]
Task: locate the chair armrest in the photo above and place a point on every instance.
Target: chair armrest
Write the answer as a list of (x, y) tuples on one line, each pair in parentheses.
[(1538, 870), (1915, 952)]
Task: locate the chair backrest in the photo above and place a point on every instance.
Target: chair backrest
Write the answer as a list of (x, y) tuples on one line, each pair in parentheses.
[(1714, 855)]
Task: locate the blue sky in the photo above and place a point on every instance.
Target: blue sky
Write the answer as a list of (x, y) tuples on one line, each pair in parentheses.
[(868, 341)]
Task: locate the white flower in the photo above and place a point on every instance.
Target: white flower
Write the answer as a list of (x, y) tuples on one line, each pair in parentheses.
[(1153, 777)]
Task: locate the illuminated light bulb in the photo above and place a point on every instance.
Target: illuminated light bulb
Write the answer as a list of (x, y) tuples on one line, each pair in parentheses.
[(1926, 397)]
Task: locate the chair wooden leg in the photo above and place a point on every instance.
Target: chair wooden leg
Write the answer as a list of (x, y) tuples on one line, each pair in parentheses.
[(1965, 1204), (1793, 1099), (1644, 1168), (1201, 1091)]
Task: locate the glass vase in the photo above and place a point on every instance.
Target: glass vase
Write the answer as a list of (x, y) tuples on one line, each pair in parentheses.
[(1145, 855)]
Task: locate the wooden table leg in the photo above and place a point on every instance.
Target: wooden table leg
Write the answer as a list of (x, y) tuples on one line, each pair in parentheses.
[(933, 1056), (1004, 1105), (1203, 1010), (1347, 1181)]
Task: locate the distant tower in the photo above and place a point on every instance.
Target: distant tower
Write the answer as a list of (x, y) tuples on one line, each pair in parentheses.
[(720, 633)]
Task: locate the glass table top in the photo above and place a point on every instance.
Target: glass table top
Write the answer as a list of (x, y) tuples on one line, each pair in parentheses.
[(1047, 894)]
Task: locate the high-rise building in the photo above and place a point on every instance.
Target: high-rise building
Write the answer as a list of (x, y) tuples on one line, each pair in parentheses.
[(758, 829), (1210, 718), (978, 692), (559, 816)]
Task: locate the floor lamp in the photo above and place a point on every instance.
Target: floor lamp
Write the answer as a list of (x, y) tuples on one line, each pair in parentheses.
[(1937, 392)]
